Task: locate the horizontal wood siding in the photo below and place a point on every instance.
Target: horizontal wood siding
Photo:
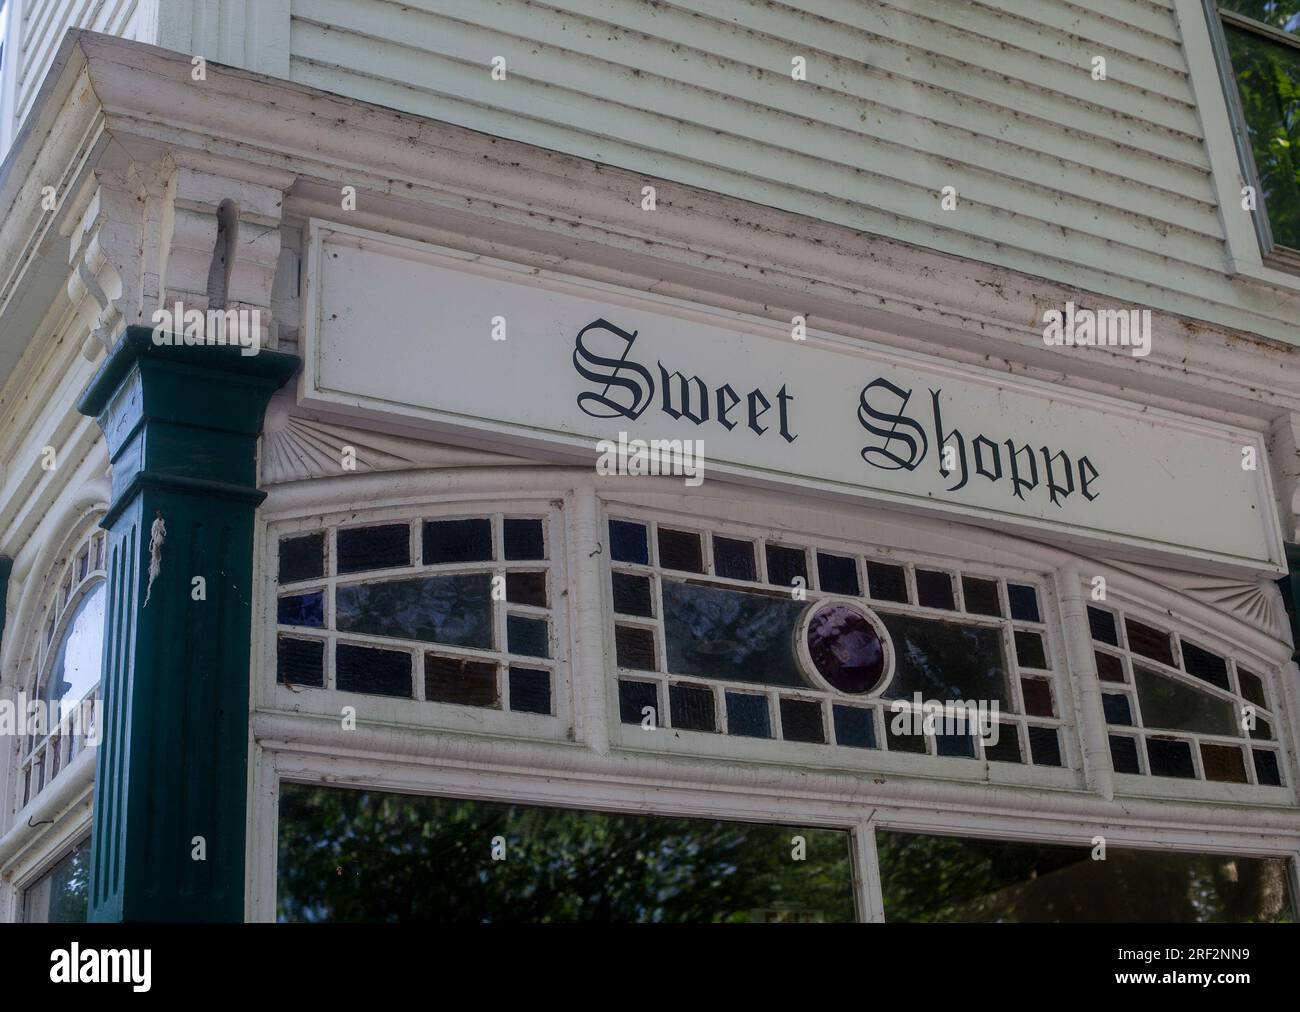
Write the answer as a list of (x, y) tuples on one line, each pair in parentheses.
[(43, 25), (1103, 185)]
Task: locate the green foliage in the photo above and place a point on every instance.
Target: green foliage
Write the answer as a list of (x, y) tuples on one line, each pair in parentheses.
[(365, 856), (936, 878), (1268, 82)]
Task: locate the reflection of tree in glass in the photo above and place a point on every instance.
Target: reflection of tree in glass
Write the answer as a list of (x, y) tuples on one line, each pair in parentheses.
[(435, 609), (1268, 81), (70, 887), (715, 632), (945, 660), (369, 856), (933, 878)]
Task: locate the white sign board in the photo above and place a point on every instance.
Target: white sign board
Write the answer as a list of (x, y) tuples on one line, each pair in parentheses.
[(491, 353)]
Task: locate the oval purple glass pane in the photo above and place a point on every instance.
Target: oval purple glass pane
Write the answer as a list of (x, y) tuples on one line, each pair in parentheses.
[(846, 649)]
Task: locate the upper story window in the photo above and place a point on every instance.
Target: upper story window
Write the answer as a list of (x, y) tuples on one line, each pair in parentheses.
[(60, 895), (66, 668), (1263, 46)]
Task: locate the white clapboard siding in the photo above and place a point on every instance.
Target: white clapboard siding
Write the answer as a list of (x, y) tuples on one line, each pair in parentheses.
[(1104, 185), (41, 27)]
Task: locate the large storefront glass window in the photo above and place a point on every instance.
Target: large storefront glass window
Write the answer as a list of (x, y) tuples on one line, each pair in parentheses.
[(941, 878), (370, 856)]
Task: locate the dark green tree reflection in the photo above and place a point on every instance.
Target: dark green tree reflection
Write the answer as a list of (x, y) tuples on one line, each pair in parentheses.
[(376, 857), (1268, 81), (61, 896), (936, 878)]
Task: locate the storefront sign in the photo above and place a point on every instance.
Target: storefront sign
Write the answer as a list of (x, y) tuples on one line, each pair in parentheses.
[(499, 355)]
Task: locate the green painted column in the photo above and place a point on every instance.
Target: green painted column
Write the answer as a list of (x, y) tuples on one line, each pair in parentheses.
[(171, 779)]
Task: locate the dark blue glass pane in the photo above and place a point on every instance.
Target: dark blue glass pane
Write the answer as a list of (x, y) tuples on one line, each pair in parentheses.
[(801, 720), (1170, 758), (635, 648), (384, 547), (981, 596), (633, 595), (715, 632), (1124, 754), (1252, 687), (1205, 665), (1149, 642), (903, 735), (526, 588), (1007, 748), (302, 558), (524, 539), (838, 574), (1102, 624), (691, 707), (1116, 709), (457, 680), (302, 609), (886, 582), (1266, 768), (530, 690), (748, 716), (681, 550), (528, 636), (1044, 746), (432, 609), (1030, 651), (628, 542), (1024, 603), (634, 697), (854, 727), (945, 660), (734, 559), (785, 565), (300, 662), (959, 745), (457, 541), (377, 672), (934, 590)]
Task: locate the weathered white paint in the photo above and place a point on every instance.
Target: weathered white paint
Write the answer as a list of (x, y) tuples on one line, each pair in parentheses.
[(426, 180), (434, 361), (36, 28)]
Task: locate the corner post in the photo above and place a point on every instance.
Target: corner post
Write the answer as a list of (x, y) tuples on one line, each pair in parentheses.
[(182, 422)]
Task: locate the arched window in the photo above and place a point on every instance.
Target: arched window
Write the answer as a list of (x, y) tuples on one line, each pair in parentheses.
[(64, 683)]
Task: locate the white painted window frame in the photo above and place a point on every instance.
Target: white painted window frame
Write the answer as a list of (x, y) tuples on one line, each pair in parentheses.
[(759, 521), (327, 703), (49, 627), (592, 772)]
